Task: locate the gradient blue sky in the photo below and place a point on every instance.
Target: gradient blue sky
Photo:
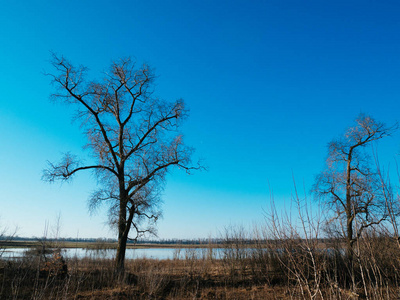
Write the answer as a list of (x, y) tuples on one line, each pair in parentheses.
[(268, 84)]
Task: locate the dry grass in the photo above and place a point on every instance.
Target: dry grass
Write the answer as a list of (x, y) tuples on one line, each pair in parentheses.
[(191, 278), (275, 269)]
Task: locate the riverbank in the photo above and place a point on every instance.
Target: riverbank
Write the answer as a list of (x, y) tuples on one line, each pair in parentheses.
[(191, 278), (272, 269)]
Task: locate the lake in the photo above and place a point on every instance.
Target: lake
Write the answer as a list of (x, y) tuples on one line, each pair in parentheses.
[(153, 253)]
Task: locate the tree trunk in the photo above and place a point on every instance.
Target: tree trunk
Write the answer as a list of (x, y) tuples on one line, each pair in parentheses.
[(349, 238), (122, 236), (120, 258), (349, 211)]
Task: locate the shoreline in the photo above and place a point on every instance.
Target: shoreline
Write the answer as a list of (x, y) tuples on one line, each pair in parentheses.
[(94, 245)]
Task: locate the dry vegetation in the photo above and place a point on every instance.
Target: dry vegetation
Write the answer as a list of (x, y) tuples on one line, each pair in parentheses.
[(193, 277), (287, 268)]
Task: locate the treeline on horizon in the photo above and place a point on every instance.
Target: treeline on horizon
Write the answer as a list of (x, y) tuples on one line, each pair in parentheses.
[(172, 241), (199, 241)]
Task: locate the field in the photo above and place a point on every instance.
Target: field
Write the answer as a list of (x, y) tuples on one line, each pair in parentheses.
[(266, 269), (144, 279)]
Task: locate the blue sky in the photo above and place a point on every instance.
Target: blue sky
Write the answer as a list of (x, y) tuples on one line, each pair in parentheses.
[(268, 84)]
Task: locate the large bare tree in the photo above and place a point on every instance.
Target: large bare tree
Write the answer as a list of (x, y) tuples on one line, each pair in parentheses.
[(133, 138), (350, 184)]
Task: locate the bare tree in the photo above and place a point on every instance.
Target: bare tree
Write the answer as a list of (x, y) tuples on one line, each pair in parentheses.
[(5, 237), (350, 184), (133, 138)]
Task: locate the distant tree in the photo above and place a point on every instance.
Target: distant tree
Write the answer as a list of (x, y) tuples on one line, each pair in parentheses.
[(133, 138), (350, 184), (6, 237)]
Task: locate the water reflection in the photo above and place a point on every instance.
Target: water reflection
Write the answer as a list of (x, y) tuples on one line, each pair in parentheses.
[(152, 253)]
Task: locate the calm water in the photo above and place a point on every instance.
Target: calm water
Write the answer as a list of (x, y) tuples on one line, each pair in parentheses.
[(154, 253)]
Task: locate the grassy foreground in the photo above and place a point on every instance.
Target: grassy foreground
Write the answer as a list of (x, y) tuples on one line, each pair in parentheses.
[(279, 269), (144, 279)]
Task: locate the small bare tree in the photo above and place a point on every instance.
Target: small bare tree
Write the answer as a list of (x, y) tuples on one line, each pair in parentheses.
[(350, 184), (133, 138), (5, 237)]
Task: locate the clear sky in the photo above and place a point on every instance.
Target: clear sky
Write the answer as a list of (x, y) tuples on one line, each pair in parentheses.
[(268, 84)]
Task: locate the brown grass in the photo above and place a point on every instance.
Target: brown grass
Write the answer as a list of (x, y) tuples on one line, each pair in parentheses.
[(144, 279), (275, 269)]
